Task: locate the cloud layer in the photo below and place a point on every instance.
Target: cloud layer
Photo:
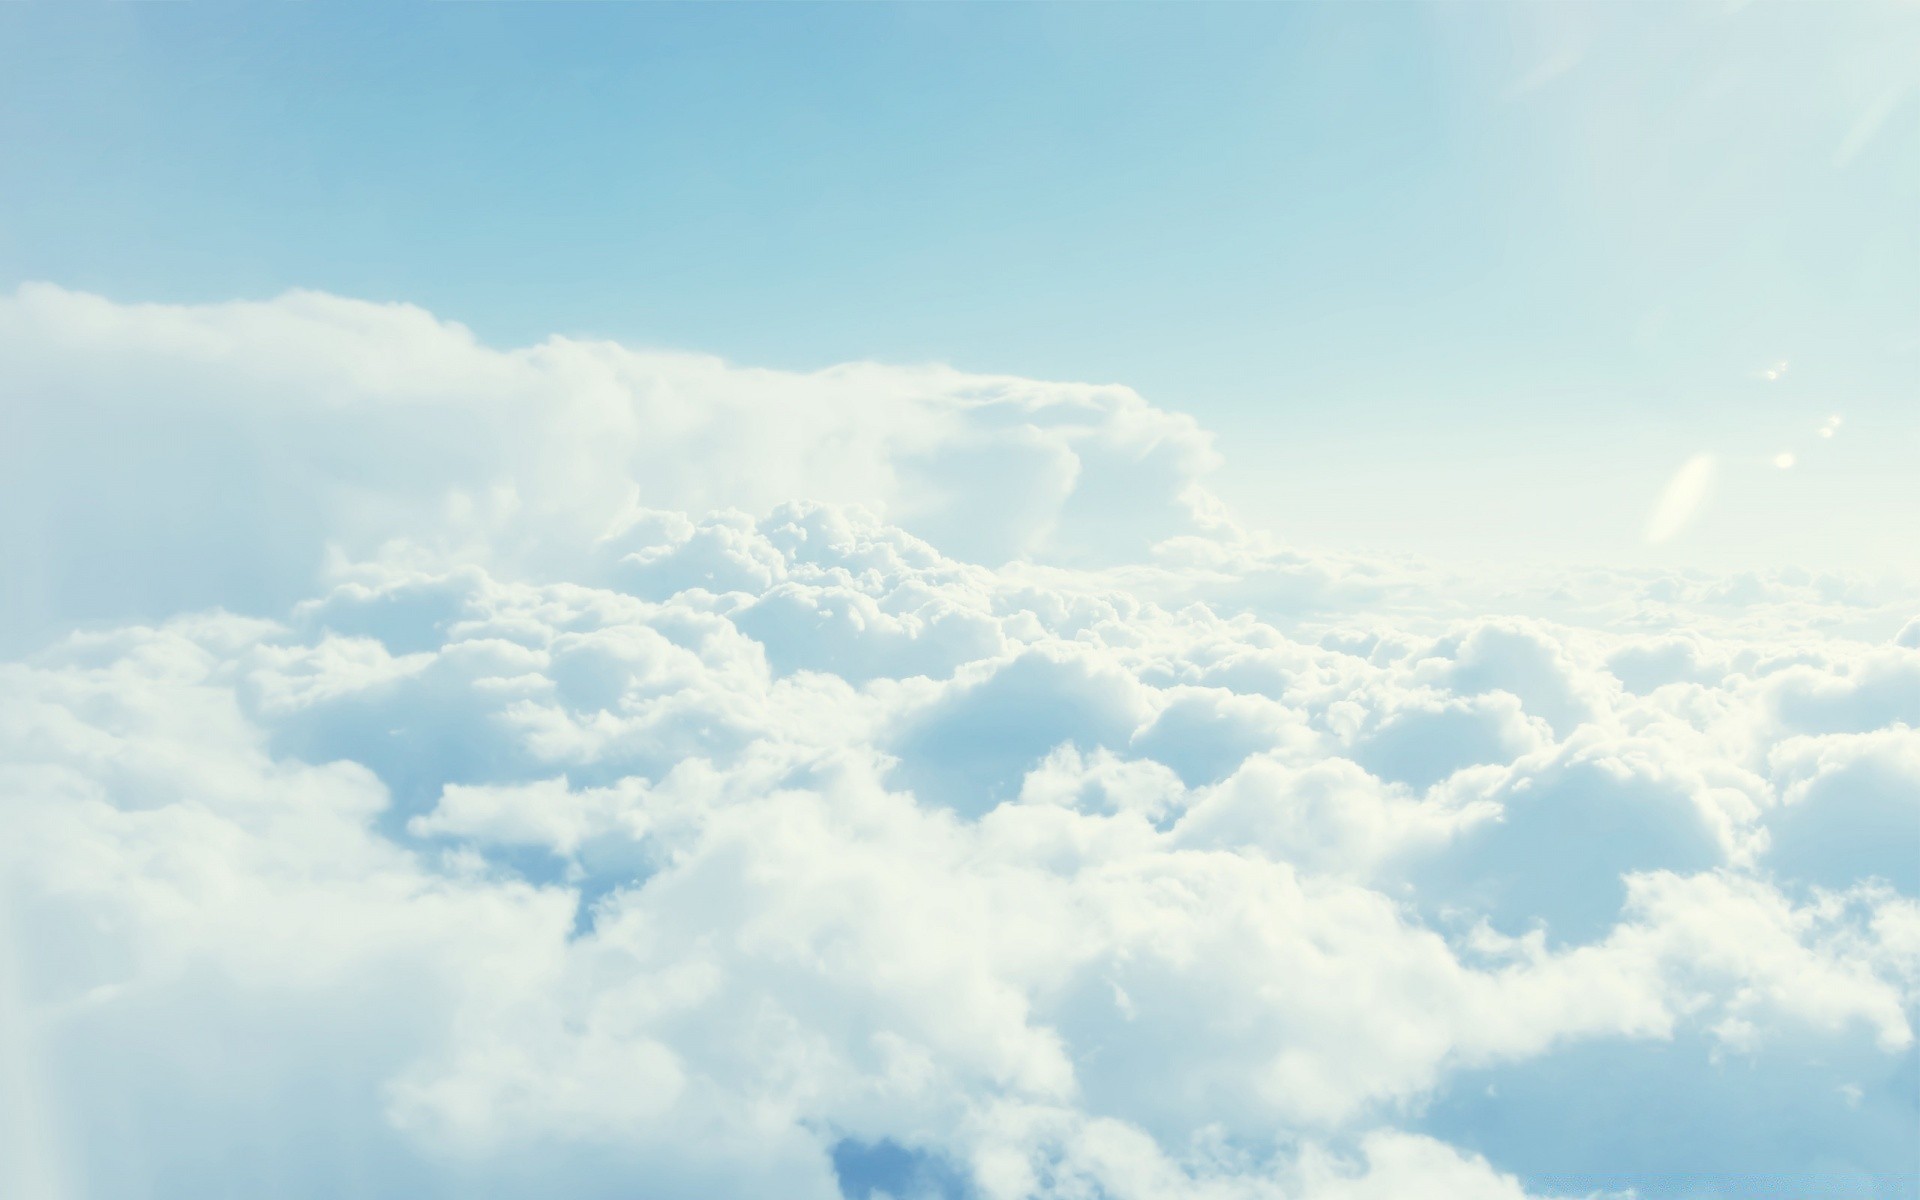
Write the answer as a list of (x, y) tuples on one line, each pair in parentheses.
[(447, 771)]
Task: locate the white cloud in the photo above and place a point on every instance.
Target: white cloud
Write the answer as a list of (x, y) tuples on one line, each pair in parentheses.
[(696, 797), (213, 454)]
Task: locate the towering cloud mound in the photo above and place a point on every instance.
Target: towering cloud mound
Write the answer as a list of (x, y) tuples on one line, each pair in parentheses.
[(193, 456), (577, 771)]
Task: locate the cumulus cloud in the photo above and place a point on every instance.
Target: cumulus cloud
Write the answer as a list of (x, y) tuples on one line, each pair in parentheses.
[(516, 772), (214, 454)]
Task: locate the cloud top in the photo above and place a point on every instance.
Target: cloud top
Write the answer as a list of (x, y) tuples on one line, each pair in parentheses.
[(573, 769), (218, 453)]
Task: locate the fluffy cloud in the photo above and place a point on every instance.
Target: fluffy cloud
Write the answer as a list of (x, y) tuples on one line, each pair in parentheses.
[(211, 455), (510, 772)]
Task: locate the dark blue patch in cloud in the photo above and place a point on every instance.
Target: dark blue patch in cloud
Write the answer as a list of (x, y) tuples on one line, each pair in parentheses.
[(868, 1170), (1687, 1120)]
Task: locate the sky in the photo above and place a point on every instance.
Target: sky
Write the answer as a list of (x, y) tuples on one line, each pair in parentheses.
[(960, 603), (1412, 262)]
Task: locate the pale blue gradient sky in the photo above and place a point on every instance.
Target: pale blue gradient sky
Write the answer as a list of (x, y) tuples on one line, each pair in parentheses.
[(1472, 281)]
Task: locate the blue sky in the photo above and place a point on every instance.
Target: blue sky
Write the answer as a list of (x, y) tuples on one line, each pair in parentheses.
[(1412, 263)]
